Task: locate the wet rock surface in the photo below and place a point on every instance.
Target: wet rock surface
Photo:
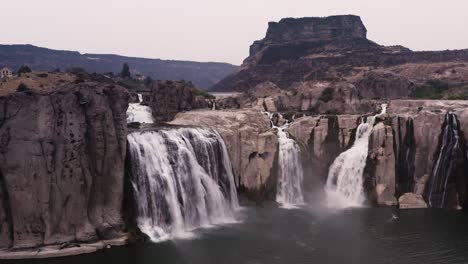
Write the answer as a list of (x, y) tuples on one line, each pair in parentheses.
[(251, 144)]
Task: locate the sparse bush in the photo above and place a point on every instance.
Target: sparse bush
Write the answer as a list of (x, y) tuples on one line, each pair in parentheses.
[(42, 75), (75, 70), (24, 69), (22, 88), (148, 81), (327, 95)]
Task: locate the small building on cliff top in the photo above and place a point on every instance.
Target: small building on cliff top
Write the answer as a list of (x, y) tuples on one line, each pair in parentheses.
[(5, 72)]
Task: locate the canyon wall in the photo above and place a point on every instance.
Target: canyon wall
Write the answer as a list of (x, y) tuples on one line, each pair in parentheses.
[(403, 149), (62, 156)]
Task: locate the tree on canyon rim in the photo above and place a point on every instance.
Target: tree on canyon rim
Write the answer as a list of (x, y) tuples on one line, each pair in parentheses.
[(125, 73)]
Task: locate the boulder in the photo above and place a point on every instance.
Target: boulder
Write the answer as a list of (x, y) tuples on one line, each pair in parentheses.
[(411, 201)]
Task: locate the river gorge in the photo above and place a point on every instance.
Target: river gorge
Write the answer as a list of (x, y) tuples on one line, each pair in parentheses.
[(324, 150)]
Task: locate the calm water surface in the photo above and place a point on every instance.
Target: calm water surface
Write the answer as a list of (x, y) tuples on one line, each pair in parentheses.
[(270, 235)]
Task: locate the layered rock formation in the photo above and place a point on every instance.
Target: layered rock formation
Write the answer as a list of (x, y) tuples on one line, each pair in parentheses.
[(328, 65), (62, 156)]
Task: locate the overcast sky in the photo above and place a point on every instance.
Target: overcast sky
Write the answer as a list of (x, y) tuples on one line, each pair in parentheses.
[(217, 30)]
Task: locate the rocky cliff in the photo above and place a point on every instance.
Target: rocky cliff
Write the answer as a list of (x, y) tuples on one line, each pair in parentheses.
[(297, 54), (62, 154)]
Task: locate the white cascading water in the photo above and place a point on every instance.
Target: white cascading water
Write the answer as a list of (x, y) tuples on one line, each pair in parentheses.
[(344, 186), (182, 179), (137, 112), (289, 187)]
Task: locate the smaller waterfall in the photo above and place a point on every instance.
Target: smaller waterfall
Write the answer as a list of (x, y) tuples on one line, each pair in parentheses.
[(137, 112), (182, 179), (289, 187), (344, 186), (451, 157)]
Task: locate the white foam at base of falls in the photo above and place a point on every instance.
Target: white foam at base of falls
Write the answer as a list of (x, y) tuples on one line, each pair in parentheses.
[(182, 180), (344, 187)]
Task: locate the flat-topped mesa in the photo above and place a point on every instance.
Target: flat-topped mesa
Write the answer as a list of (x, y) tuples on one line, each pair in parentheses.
[(293, 38), (311, 29), (300, 52)]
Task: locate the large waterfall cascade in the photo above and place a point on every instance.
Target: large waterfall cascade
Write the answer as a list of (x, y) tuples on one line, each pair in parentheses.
[(289, 187), (137, 112), (182, 180), (344, 187), (450, 156)]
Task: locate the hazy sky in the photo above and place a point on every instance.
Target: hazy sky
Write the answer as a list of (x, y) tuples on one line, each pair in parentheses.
[(217, 30)]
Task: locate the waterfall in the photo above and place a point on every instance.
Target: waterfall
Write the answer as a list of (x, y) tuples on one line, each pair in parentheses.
[(344, 187), (450, 158), (289, 187), (139, 113), (182, 179)]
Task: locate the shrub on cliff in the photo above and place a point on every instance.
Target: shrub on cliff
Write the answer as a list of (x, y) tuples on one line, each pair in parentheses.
[(327, 95), (22, 88), (433, 89), (24, 69), (198, 92), (42, 75)]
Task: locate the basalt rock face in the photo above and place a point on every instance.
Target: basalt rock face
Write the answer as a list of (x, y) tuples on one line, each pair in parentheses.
[(322, 139), (167, 98), (62, 156), (428, 156), (379, 174), (251, 144)]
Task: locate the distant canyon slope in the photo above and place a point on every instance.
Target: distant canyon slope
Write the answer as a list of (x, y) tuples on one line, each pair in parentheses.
[(202, 74), (312, 54)]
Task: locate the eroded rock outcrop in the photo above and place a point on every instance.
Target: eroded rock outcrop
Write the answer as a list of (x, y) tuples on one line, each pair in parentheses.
[(62, 158), (167, 98), (411, 201)]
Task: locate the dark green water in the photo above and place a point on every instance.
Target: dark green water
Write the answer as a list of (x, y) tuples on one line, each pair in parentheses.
[(308, 236)]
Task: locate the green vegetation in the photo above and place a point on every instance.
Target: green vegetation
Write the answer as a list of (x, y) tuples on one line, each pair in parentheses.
[(198, 92), (24, 69), (22, 88), (433, 89), (76, 70), (125, 73), (327, 95), (134, 84), (42, 75)]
